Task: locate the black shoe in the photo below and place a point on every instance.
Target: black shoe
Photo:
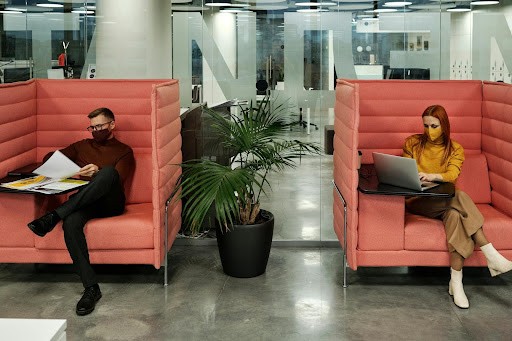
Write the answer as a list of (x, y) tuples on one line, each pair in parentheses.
[(45, 224), (88, 301)]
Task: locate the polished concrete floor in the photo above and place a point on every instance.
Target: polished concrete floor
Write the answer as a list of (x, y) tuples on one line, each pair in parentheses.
[(300, 297)]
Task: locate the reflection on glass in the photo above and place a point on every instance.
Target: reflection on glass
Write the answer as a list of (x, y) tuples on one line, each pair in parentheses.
[(316, 59), (269, 51), (15, 52), (68, 51), (197, 73)]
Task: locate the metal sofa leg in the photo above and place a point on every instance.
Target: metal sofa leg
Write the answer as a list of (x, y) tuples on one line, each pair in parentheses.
[(345, 285), (166, 240)]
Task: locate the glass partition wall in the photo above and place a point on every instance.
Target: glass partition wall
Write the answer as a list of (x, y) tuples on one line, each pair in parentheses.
[(292, 51), (35, 35)]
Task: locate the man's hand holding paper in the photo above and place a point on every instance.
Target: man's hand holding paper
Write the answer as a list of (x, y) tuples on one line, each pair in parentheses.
[(88, 170), (58, 166)]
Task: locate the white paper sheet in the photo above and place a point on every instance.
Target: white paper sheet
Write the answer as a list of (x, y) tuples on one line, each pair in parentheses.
[(58, 166)]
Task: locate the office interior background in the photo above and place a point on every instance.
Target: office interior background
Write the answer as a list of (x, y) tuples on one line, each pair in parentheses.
[(292, 51)]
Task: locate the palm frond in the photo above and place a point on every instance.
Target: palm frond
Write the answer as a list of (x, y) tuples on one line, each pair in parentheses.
[(205, 183), (258, 139)]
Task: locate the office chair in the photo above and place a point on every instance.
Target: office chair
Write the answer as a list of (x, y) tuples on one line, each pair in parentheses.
[(302, 123)]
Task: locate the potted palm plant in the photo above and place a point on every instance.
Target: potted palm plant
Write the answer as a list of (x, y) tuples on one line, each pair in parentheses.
[(256, 138)]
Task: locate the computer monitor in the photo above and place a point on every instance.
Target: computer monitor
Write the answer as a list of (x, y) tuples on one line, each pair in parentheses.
[(408, 73), (16, 74)]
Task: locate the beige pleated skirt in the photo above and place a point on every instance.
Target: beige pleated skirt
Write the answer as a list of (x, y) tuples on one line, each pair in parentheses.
[(459, 214)]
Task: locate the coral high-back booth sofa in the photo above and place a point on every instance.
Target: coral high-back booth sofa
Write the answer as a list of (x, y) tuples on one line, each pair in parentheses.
[(39, 116), (378, 116)]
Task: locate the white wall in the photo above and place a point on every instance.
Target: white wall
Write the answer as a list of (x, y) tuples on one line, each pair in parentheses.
[(133, 39), (460, 46)]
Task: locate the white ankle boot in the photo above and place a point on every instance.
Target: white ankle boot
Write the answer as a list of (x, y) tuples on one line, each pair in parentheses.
[(495, 261), (456, 289)]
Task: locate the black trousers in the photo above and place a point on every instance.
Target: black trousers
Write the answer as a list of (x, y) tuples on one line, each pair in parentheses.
[(102, 197)]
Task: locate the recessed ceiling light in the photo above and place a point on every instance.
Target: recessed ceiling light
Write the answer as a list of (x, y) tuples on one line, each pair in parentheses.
[(349, 1), (82, 11), (315, 4), (353, 6), (311, 10), (187, 8), (484, 2), (50, 5), (459, 9), (397, 3), (266, 7), (217, 4), (15, 9), (434, 6), (382, 10)]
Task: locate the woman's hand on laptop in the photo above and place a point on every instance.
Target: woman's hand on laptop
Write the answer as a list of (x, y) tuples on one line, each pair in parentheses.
[(430, 177)]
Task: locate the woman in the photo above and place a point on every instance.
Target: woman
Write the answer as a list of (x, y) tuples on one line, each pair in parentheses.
[(440, 159)]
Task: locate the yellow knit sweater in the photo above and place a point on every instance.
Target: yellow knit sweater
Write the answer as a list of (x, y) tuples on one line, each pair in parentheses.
[(431, 160)]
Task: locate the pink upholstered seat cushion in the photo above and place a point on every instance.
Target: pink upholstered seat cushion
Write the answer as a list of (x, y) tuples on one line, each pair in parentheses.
[(474, 179), (131, 230), (424, 234)]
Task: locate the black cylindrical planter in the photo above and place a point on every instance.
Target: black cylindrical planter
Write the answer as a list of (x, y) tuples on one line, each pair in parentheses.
[(244, 250)]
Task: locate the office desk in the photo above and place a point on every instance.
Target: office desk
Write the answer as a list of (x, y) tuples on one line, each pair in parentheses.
[(26, 172), (369, 184), (21, 173)]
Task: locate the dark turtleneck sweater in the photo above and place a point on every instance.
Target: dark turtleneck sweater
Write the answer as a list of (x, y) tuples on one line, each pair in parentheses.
[(110, 153)]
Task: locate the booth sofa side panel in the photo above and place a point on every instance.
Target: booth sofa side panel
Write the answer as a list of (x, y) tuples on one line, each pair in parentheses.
[(497, 142), (166, 133), (17, 125), (345, 160), (17, 149)]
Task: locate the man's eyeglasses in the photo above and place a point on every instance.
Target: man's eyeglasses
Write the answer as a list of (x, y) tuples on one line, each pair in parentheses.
[(98, 126)]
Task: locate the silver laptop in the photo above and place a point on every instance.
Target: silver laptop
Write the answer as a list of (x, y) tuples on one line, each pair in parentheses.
[(399, 171)]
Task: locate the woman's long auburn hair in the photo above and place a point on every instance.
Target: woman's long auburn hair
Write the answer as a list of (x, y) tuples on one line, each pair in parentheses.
[(438, 112)]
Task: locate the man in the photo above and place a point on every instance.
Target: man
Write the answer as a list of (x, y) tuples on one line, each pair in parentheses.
[(107, 163)]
